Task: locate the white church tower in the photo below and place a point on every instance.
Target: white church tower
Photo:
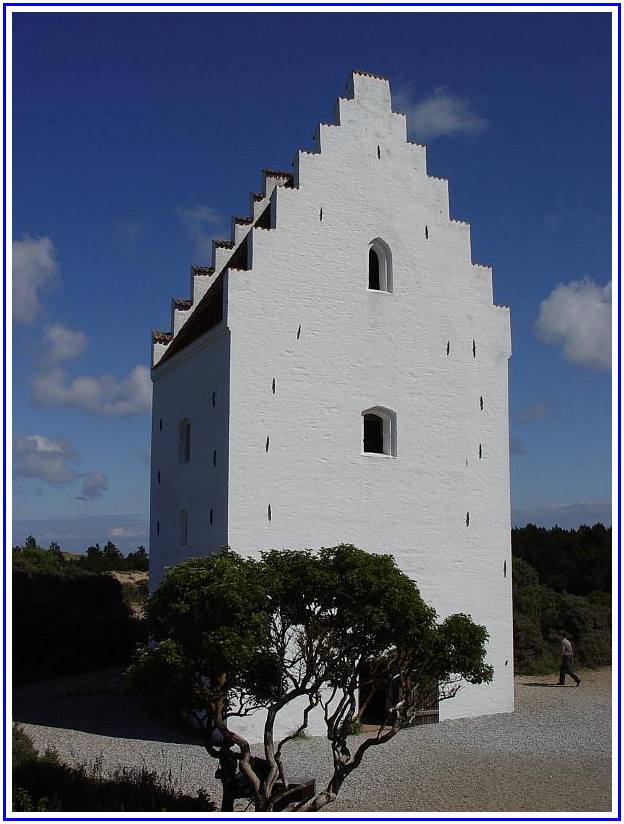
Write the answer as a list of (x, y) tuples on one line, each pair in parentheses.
[(339, 374)]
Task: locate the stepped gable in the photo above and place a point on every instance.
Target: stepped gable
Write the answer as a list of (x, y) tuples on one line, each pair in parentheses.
[(202, 271), (205, 313), (208, 313), (264, 220), (161, 337), (287, 176), (370, 74)]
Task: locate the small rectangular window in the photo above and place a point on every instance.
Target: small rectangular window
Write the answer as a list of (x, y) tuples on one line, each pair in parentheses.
[(373, 434)]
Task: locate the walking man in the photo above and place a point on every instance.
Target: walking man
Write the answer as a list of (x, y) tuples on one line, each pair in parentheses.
[(566, 661)]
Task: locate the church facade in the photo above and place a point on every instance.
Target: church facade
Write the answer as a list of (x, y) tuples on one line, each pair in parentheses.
[(339, 374)]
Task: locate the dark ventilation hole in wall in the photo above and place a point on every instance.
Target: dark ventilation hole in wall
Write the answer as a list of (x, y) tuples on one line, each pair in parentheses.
[(299, 332), (373, 434), (504, 569), (273, 386), (321, 214), (214, 457), (481, 402), (466, 459), (159, 476), (373, 270), (467, 518), (474, 348), (157, 527), (185, 441), (269, 512), (160, 425), (266, 446), (378, 153), (210, 516), (480, 452), (448, 347), (426, 233), (214, 398), (506, 661)]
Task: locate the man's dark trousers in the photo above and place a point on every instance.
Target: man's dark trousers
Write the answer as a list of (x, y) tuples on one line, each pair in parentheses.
[(566, 668)]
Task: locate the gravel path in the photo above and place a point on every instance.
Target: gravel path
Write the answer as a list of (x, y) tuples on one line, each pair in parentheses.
[(552, 753)]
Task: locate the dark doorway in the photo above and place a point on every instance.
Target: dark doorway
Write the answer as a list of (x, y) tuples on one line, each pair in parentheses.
[(379, 700)]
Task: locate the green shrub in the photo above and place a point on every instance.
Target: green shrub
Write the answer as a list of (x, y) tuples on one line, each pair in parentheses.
[(67, 620), (136, 593), (23, 748), (539, 613), (44, 783)]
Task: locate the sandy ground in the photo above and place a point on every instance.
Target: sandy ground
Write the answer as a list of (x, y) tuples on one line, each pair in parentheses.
[(552, 754)]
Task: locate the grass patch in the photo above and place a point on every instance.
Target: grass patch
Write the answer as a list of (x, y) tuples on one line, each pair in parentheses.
[(41, 782)]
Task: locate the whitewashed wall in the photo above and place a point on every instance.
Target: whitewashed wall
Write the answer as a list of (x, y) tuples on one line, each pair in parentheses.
[(183, 388), (358, 349)]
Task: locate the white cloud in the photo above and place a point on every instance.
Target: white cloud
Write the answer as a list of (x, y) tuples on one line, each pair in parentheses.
[(128, 230), (127, 532), (93, 485), (577, 317), (63, 343), (535, 412), (56, 461), (103, 395), (567, 516), (34, 268), (49, 459), (200, 222), (440, 114)]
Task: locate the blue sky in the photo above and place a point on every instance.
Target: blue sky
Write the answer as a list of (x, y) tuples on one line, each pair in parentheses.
[(137, 136)]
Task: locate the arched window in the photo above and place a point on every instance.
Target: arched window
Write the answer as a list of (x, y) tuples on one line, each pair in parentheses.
[(379, 431), (379, 266), (183, 528), (185, 441)]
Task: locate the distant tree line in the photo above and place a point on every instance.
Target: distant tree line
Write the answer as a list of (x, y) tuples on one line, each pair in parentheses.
[(561, 580), (69, 617), (96, 559)]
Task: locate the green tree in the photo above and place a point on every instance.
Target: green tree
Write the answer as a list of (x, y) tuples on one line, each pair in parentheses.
[(577, 561), (539, 613), (138, 560), (33, 557), (94, 559), (231, 635), (113, 558)]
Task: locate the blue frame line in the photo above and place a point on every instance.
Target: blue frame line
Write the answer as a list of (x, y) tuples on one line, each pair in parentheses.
[(355, 5), (619, 411), (616, 5), (4, 441)]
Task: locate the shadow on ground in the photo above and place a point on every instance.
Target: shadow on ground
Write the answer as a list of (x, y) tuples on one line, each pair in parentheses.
[(92, 702)]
